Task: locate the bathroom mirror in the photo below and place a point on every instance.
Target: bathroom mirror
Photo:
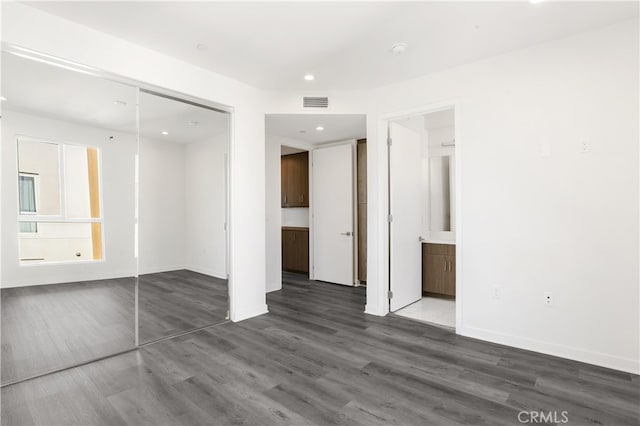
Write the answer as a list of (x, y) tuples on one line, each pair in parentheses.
[(182, 217), (68, 272), (441, 193)]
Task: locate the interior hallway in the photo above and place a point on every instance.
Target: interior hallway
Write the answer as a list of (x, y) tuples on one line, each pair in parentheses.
[(315, 358)]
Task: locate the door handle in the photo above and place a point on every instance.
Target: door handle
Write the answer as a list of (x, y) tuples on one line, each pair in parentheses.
[(348, 234), (445, 265)]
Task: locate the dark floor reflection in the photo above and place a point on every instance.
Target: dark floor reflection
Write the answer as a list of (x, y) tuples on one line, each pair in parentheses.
[(177, 301), (49, 327)]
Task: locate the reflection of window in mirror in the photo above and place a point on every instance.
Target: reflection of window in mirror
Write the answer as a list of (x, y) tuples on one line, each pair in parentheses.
[(27, 195), (60, 217)]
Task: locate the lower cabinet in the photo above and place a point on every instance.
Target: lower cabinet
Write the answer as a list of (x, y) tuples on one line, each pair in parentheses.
[(295, 249), (439, 269)]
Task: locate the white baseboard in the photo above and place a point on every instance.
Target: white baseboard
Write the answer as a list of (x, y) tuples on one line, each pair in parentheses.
[(374, 311), (212, 273), (275, 287), (241, 316), (158, 269), (576, 354)]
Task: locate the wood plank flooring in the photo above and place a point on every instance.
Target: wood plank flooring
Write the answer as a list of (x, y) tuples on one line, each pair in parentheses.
[(48, 327), (177, 301), (315, 358)]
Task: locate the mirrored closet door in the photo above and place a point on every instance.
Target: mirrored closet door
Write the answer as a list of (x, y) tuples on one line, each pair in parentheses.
[(183, 208), (69, 269)]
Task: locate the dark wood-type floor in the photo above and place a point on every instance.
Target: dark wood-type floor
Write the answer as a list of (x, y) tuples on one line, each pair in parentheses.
[(315, 358), (50, 327), (173, 302)]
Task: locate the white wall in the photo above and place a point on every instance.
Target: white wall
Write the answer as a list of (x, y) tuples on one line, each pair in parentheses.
[(162, 206), (295, 216), (531, 224), (117, 170), (65, 39), (205, 237)]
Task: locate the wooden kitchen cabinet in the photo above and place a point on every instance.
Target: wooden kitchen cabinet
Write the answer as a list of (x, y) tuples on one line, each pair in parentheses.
[(439, 269), (295, 249), (294, 178)]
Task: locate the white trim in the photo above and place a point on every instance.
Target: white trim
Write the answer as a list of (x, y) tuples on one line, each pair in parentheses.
[(568, 352)]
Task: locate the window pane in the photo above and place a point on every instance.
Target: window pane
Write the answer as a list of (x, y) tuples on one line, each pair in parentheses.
[(27, 193), (28, 227), (41, 160), (60, 242)]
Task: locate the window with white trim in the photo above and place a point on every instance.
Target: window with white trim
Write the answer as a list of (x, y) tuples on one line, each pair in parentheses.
[(59, 202)]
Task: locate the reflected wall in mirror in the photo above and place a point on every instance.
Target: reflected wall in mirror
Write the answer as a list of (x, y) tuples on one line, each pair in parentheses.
[(440, 192), (183, 206), (68, 266)]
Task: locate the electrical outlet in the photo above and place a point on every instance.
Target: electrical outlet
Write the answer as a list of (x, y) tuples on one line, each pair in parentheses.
[(585, 146), (548, 298), (496, 292)]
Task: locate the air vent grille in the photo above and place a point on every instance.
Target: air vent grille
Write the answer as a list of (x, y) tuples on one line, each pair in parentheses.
[(315, 102)]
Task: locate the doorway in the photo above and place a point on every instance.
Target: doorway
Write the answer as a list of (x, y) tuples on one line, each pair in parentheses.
[(422, 217), (315, 185)]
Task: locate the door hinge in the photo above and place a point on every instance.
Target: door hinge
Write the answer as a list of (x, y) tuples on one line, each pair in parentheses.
[(390, 294), (389, 142), (390, 218)]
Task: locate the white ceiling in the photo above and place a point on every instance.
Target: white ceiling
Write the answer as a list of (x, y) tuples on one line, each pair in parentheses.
[(158, 114), (302, 127), (345, 44), (35, 88)]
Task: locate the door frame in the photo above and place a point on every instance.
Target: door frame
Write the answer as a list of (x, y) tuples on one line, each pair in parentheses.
[(383, 130)]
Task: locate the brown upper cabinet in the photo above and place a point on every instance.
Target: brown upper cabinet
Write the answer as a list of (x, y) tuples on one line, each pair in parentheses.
[(295, 180)]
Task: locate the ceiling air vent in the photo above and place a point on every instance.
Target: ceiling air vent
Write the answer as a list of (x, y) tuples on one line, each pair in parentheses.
[(315, 102)]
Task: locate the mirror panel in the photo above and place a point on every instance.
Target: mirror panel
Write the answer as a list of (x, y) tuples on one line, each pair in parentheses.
[(183, 205), (68, 267), (440, 193)]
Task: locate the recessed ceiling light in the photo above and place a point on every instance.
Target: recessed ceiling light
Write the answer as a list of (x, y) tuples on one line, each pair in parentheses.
[(202, 47), (2, 98), (309, 77), (120, 103), (319, 128), (399, 48), (194, 123), (164, 132)]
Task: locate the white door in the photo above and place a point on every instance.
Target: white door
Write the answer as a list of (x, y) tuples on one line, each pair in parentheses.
[(405, 192), (332, 204)]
